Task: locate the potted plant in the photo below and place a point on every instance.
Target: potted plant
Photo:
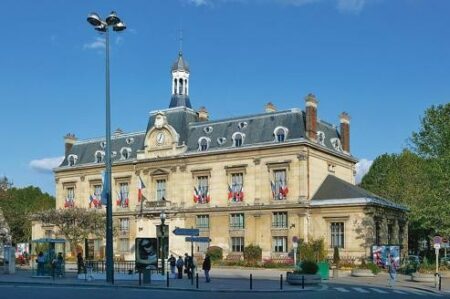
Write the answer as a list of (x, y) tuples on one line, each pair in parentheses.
[(336, 261), (305, 273), (365, 269)]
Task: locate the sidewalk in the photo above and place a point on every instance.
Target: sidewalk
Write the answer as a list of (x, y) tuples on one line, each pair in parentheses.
[(403, 281), (222, 280)]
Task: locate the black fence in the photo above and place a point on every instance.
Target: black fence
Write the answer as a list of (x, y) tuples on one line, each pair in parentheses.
[(99, 266)]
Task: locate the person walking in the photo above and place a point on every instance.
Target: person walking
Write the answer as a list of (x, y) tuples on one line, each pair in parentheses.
[(180, 265), (187, 265), (40, 263), (172, 262), (59, 265), (80, 263), (392, 271), (206, 267)]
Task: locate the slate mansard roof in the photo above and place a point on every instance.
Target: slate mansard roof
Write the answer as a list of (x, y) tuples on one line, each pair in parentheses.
[(257, 129)]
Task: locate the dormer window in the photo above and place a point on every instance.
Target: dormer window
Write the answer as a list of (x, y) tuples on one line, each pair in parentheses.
[(336, 144), (99, 155), (238, 139), (242, 125), (103, 144), (208, 130), (280, 134), (321, 137), (125, 153), (129, 140), (221, 140), (72, 160), (203, 144)]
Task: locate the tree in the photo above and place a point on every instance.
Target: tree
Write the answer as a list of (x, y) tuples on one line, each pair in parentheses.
[(18, 204), (76, 224)]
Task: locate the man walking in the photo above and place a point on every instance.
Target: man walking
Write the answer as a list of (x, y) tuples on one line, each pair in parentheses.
[(392, 270), (180, 265), (206, 267), (172, 261)]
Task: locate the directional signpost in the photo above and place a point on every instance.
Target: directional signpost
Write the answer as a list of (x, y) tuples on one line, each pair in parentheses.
[(437, 240), (178, 231), (198, 239)]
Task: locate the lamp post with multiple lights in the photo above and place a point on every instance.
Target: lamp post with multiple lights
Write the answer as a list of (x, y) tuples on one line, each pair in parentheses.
[(112, 21)]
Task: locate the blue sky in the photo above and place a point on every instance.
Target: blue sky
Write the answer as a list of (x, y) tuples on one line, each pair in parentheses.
[(382, 61)]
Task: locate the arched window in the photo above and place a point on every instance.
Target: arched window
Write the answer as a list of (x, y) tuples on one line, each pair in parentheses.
[(185, 86), (175, 86), (280, 134), (72, 160), (203, 144), (180, 86), (99, 157), (238, 139), (321, 137), (125, 153)]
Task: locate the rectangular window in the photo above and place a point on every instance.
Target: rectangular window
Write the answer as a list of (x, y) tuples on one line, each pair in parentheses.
[(237, 187), (279, 220), (123, 245), (337, 234), (279, 185), (390, 233), (237, 220), (160, 189), (70, 193), (98, 191), (377, 232), (124, 224), (202, 221), (123, 195), (279, 244), (202, 189), (237, 244)]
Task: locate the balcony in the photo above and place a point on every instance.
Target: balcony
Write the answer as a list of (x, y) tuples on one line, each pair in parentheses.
[(123, 232)]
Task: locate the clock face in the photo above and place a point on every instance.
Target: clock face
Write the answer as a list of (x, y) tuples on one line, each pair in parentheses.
[(160, 138)]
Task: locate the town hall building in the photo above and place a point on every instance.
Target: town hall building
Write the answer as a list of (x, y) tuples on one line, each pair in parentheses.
[(258, 179)]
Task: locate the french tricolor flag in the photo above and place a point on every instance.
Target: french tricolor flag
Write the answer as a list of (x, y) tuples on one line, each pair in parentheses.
[(140, 186)]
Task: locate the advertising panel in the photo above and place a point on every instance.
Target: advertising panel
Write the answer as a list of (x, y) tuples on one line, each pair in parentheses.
[(146, 253), (380, 254)]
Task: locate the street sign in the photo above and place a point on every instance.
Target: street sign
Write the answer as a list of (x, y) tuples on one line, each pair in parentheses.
[(295, 245), (186, 231), (295, 239), (437, 240), (437, 246), (198, 239)]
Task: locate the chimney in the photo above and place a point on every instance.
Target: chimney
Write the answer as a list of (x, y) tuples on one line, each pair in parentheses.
[(345, 131), (203, 114), (270, 108), (69, 141), (311, 116)]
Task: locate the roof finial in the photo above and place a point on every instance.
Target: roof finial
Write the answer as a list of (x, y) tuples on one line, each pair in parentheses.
[(180, 39)]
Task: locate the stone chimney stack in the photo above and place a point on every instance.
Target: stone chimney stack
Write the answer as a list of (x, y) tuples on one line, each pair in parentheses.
[(345, 131), (311, 116), (203, 114), (69, 141), (269, 108)]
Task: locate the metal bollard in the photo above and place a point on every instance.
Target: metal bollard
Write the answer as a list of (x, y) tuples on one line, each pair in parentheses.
[(167, 278), (303, 281), (140, 278), (281, 281), (196, 280), (440, 282), (251, 282)]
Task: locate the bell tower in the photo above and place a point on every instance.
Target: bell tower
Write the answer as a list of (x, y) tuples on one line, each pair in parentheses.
[(180, 83)]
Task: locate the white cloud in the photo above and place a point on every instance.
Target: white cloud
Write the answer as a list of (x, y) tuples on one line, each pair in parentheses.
[(98, 43), (362, 167), (351, 6), (198, 2), (46, 165)]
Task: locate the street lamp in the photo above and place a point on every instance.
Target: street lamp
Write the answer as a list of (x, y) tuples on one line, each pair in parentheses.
[(103, 26), (163, 217)]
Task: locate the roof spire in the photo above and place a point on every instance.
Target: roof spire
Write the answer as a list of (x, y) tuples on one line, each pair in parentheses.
[(180, 40)]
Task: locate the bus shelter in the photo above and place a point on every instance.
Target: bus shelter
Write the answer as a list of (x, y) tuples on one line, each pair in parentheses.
[(44, 257)]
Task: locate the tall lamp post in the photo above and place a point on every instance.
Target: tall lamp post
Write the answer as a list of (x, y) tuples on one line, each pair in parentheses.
[(112, 21), (163, 217)]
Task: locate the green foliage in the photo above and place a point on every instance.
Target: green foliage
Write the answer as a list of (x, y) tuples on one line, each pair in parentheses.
[(314, 250), (76, 224), (307, 267), (374, 268), (18, 204), (336, 258), (252, 254), (215, 253)]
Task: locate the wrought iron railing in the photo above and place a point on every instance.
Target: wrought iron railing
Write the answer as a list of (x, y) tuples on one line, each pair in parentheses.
[(99, 266)]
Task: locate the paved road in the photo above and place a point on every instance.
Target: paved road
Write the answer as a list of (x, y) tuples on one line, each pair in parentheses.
[(77, 292)]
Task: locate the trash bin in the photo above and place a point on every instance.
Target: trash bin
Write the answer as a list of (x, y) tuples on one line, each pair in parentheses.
[(324, 270)]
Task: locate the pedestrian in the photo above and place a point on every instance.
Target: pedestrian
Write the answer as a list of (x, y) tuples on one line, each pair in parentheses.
[(172, 262), (206, 267), (392, 271), (80, 263), (40, 263), (180, 265), (59, 265), (187, 267)]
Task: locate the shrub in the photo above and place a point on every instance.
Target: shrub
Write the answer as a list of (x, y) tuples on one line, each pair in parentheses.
[(336, 258), (308, 267), (215, 253), (252, 254), (372, 267), (314, 250)]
